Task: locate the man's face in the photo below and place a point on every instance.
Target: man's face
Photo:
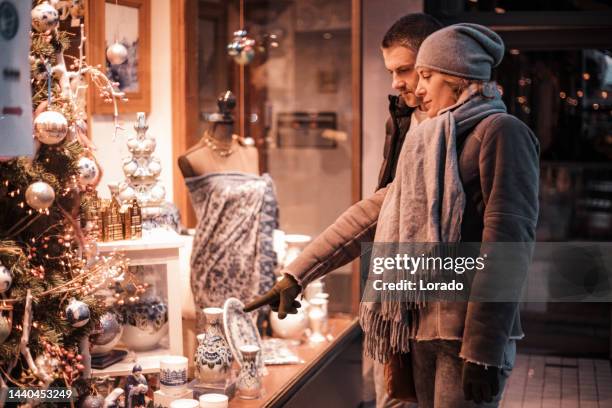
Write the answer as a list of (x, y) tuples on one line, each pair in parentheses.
[(399, 61)]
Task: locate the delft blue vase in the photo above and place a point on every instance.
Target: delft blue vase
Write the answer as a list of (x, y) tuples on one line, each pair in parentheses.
[(213, 358), (249, 378)]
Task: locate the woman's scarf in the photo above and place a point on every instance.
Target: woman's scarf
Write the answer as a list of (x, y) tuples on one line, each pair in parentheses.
[(423, 206)]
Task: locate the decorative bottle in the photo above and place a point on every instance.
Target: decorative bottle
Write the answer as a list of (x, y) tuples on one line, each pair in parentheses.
[(249, 378), (213, 358)]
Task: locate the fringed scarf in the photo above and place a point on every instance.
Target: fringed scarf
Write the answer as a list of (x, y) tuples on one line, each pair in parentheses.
[(424, 205)]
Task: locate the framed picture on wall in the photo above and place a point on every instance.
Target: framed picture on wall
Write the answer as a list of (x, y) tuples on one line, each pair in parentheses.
[(127, 22)]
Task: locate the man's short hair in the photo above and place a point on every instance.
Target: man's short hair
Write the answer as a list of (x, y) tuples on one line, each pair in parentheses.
[(410, 31)]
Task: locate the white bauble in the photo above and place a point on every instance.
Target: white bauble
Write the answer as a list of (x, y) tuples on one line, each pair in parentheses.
[(50, 127), (129, 167), (126, 194), (158, 193), (116, 54), (40, 195), (6, 279), (154, 167), (77, 313), (44, 17), (88, 170), (245, 56)]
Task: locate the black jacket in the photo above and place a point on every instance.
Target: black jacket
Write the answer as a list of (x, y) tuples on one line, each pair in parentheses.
[(396, 127)]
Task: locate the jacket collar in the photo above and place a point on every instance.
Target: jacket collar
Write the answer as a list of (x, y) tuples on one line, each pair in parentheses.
[(398, 108)]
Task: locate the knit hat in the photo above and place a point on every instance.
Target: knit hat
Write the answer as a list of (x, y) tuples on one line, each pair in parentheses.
[(465, 50)]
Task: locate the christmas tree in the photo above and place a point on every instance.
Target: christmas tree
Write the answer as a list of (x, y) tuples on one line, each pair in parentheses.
[(49, 271)]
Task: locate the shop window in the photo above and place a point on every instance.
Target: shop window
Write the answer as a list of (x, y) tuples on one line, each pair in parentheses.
[(565, 97)]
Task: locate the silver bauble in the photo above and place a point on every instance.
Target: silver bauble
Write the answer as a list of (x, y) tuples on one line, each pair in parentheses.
[(77, 313), (154, 167), (116, 54), (108, 336), (44, 17), (245, 56), (40, 195), (88, 170), (50, 127), (6, 279)]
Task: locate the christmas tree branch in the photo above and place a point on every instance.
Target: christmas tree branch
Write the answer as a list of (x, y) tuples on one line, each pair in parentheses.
[(25, 338), (11, 233)]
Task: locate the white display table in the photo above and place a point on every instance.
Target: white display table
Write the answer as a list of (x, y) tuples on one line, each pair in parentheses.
[(160, 254)]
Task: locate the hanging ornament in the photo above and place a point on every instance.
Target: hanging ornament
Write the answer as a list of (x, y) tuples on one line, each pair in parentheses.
[(50, 127), (6, 279), (107, 334), (242, 48), (77, 313), (44, 17), (116, 54), (40, 195), (88, 170), (6, 321)]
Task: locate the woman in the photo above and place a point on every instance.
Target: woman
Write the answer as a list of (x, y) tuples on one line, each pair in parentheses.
[(467, 174)]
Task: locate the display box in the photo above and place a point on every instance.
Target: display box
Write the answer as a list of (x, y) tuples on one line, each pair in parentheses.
[(153, 327)]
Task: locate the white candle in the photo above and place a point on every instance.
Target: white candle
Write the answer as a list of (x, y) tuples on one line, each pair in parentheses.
[(184, 403), (173, 375), (213, 401)]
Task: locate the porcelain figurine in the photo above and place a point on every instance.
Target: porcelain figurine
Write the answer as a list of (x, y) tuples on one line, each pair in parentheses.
[(136, 388), (213, 358)]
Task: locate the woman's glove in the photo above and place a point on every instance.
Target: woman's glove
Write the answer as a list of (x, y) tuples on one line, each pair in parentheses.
[(281, 297), (480, 383)]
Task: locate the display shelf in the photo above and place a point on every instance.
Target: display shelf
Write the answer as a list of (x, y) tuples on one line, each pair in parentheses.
[(284, 380), (149, 360), (159, 256), (146, 243)]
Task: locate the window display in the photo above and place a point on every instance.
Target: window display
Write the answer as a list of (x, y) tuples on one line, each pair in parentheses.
[(188, 229)]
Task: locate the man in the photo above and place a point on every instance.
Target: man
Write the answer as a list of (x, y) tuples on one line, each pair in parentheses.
[(399, 48)]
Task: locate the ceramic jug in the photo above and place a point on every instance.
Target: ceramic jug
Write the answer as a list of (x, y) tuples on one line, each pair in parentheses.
[(213, 358)]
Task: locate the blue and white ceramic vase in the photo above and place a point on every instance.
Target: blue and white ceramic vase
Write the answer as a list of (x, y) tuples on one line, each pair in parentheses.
[(249, 378), (213, 358)]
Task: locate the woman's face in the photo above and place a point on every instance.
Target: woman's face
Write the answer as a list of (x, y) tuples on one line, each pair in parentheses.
[(435, 91)]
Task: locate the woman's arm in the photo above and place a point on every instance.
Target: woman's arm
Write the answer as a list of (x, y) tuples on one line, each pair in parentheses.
[(340, 243)]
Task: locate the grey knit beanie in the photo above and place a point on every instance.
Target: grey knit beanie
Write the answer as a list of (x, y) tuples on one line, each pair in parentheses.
[(465, 50)]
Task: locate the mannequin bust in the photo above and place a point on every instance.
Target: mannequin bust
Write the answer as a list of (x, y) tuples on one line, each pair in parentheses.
[(220, 150)]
